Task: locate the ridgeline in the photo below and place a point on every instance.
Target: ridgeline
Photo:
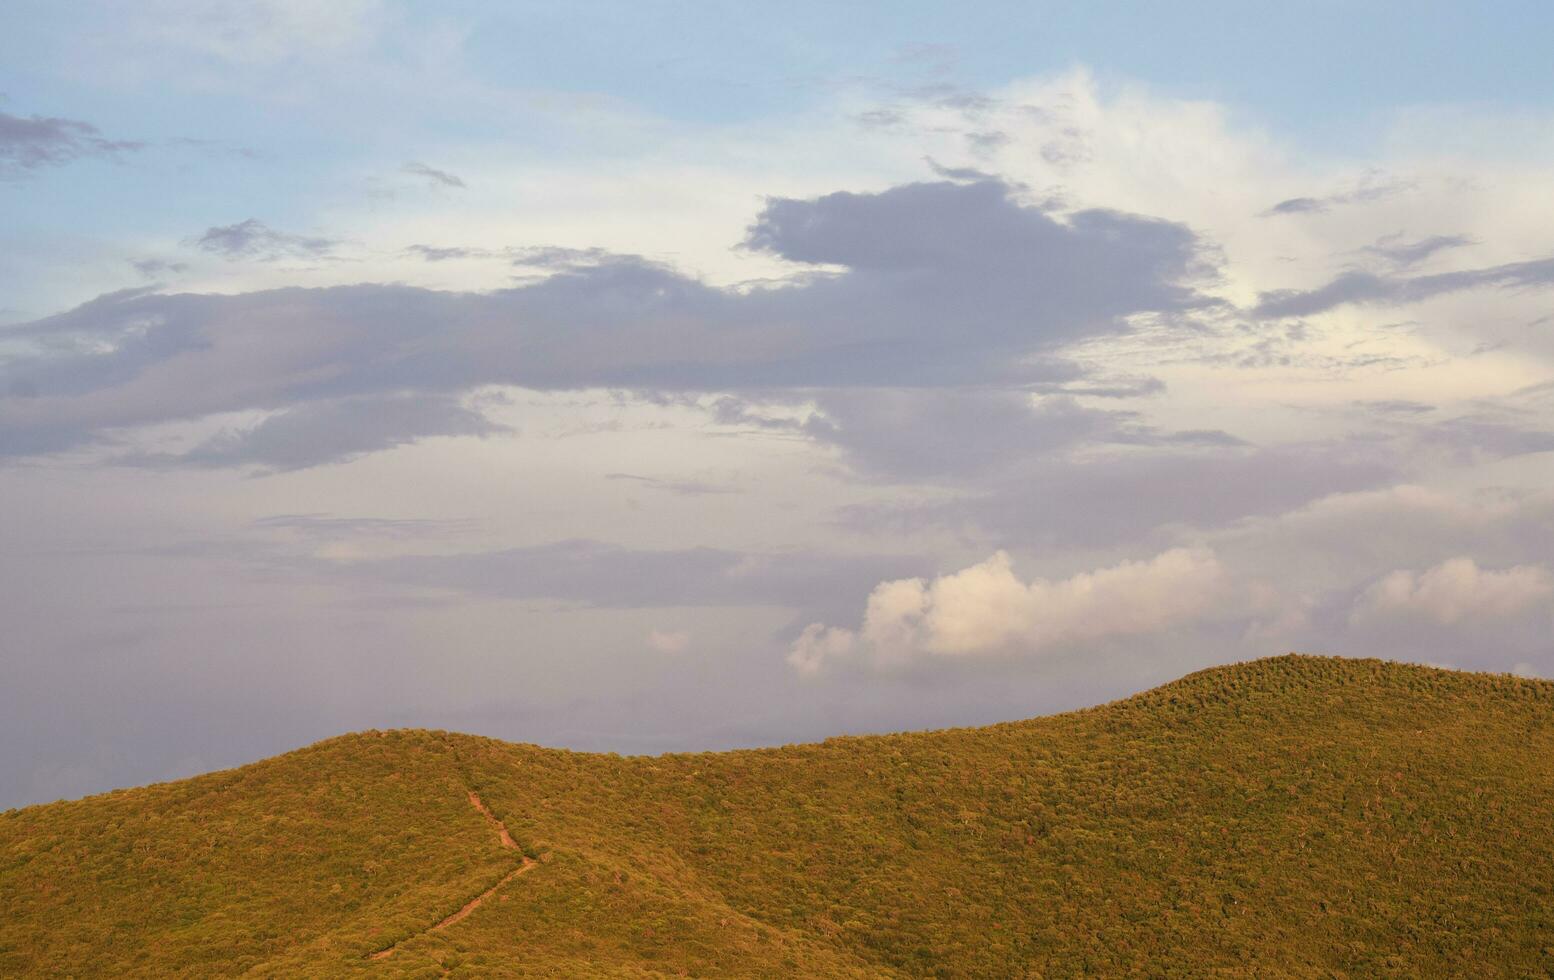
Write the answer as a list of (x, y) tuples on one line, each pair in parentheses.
[(1292, 816)]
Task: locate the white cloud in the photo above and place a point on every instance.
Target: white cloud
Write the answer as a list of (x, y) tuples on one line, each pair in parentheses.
[(987, 610), (1454, 591)]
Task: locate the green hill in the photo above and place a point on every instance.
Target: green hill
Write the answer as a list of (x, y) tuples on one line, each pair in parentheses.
[(1292, 816)]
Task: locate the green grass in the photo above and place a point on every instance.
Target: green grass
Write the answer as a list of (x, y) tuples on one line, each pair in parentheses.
[(1294, 816)]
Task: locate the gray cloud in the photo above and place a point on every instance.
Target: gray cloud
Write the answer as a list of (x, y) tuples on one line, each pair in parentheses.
[(942, 285), (1402, 253), (253, 239), (434, 253), (961, 435), (1372, 187), (1298, 205), (152, 268), (439, 177), (1365, 287), (957, 173), (30, 143), (1487, 436), (331, 431), (684, 488)]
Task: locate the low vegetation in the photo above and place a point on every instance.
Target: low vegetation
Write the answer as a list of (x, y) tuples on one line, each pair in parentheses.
[(1292, 816)]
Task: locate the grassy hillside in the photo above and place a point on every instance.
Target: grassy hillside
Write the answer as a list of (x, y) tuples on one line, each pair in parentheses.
[(1293, 816)]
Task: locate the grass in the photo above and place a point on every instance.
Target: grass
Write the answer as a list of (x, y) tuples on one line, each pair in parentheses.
[(1292, 816)]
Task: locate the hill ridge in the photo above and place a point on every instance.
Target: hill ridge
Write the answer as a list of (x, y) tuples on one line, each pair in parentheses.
[(1291, 815)]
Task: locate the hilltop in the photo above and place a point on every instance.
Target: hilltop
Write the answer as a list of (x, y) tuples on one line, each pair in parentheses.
[(1296, 815)]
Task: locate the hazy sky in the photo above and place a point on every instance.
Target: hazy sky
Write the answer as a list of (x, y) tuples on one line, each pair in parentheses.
[(675, 376)]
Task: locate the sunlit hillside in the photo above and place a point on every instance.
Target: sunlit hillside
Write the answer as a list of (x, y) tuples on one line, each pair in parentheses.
[(1297, 815)]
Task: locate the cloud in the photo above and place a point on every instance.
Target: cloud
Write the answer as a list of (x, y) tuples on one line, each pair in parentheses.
[(435, 253), (685, 488), (1365, 287), (253, 239), (330, 432), (986, 610), (439, 177), (1404, 253), (1371, 187), (1298, 205), (955, 435), (957, 173), (1455, 591), (30, 143), (941, 284), (151, 268)]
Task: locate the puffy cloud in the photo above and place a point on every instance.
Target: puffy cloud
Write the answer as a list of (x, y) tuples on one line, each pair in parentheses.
[(1455, 591), (986, 610)]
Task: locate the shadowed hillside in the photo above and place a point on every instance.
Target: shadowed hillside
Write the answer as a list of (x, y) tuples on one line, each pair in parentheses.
[(1296, 815)]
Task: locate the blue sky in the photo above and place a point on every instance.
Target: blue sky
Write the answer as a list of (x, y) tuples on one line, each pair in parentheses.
[(283, 128), (651, 377)]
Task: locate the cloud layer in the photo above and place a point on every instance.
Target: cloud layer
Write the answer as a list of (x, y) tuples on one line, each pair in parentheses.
[(894, 315)]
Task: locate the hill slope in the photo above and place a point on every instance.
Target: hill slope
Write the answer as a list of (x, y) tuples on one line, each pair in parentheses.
[(1289, 816)]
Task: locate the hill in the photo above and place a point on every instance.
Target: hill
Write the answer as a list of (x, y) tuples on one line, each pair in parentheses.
[(1291, 816)]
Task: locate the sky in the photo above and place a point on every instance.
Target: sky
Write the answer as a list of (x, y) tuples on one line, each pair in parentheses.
[(675, 377)]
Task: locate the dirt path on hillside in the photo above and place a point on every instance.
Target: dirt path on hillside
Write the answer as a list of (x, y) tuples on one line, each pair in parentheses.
[(474, 903), (501, 828)]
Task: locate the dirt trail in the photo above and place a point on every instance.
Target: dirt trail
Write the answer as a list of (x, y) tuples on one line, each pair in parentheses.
[(474, 903), (501, 828)]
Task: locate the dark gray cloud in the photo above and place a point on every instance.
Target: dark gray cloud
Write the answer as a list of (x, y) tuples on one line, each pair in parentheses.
[(942, 284), (1365, 287), (30, 143), (440, 177), (253, 239)]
